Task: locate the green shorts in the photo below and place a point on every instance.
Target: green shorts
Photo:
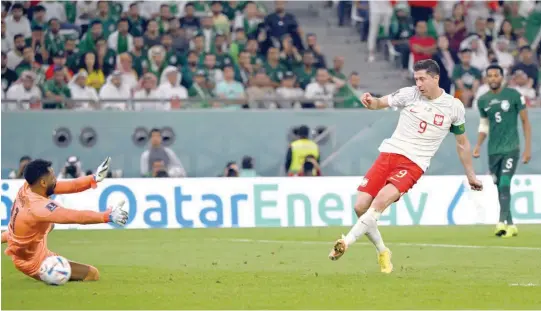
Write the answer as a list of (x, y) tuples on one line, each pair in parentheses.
[(503, 166)]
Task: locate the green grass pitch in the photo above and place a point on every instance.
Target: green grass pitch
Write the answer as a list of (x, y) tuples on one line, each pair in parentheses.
[(288, 268)]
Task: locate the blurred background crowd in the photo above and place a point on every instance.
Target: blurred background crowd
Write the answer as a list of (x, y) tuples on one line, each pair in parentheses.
[(163, 55)]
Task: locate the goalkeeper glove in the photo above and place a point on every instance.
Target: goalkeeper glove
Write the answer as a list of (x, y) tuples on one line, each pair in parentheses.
[(102, 170), (117, 214)]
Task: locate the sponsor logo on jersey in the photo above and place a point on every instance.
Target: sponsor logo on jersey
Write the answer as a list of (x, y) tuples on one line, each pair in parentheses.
[(51, 206), (364, 182), (438, 119), (505, 105)]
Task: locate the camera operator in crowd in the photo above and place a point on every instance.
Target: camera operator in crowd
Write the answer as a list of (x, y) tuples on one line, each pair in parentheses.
[(72, 169), (231, 170)]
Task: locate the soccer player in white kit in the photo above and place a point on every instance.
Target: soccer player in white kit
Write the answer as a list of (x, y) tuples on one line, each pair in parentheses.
[(427, 116)]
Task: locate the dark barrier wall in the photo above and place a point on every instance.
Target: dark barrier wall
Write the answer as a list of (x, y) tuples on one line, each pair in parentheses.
[(206, 140)]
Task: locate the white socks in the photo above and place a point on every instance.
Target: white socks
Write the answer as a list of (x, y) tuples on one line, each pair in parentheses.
[(374, 236), (366, 223)]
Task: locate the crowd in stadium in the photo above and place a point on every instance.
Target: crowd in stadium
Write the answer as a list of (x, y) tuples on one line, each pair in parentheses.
[(160, 53), (464, 37), (74, 54)]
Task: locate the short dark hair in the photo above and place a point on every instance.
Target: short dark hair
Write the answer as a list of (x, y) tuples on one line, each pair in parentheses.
[(17, 5), (25, 158), (155, 130), (123, 19), (229, 66), (525, 48), (495, 66), (35, 170), (247, 163), (39, 8), (432, 68), (189, 4), (17, 36), (135, 4), (304, 131)]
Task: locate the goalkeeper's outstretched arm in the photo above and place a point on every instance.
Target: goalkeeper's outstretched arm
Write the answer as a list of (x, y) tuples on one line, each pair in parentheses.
[(76, 185)]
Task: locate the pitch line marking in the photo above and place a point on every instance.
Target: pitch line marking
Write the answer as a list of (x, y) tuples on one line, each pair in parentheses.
[(524, 248)]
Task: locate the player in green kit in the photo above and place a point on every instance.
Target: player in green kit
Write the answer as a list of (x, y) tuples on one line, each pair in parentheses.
[(499, 109)]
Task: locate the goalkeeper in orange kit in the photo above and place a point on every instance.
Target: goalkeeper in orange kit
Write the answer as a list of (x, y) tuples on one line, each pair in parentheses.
[(34, 214)]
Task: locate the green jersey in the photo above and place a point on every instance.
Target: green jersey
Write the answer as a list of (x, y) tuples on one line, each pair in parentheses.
[(467, 75), (275, 73), (351, 97), (305, 77), (55, 89), (338, 74), (140, 62), (502, 110), (54, 42)]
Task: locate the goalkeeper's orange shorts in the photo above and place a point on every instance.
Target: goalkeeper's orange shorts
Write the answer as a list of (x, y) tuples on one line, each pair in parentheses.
[(31, 267)]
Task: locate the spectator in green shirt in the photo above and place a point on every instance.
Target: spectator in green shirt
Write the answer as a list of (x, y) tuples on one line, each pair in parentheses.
[(38, 17), (238, 44), (435, 25), (106, 57), (106, 18), (350, 93), (307, 72), (54, 41), (274, 69), (172, 56), (290, 56), (517, 21), (88, 43), (163, 18), (139, 56), (56, 90), (200, 6), (221, 50), (338, 65), (136, 21), (71, 11), (72, 55), (121, 41), (467, 78), (200, 89)]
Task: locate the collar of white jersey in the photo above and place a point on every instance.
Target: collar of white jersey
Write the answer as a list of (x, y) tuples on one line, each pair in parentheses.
[(437, 98)]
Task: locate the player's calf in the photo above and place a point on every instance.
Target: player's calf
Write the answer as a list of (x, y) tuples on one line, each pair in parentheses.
[(362, 203), (82, 272)]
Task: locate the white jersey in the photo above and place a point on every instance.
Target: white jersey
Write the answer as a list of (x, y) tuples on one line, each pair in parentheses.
[(423, 124)]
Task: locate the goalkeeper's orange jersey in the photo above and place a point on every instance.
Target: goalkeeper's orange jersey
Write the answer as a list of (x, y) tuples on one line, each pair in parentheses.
[(32, 217)]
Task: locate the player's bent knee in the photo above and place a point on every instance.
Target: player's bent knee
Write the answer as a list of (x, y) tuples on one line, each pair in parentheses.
[(93, 274), (362, 203)]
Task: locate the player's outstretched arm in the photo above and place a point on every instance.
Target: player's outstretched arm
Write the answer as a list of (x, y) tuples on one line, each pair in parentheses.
[(464, 153), (374, 103), (75, 185), (54, 213), (83, 183), (527, 155), (483, 133)]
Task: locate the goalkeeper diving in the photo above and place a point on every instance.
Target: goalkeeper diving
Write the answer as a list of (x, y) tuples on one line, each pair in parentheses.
[(34, 214)]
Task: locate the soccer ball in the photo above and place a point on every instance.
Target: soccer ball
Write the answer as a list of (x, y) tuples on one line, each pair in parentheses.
[(55, 270)]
